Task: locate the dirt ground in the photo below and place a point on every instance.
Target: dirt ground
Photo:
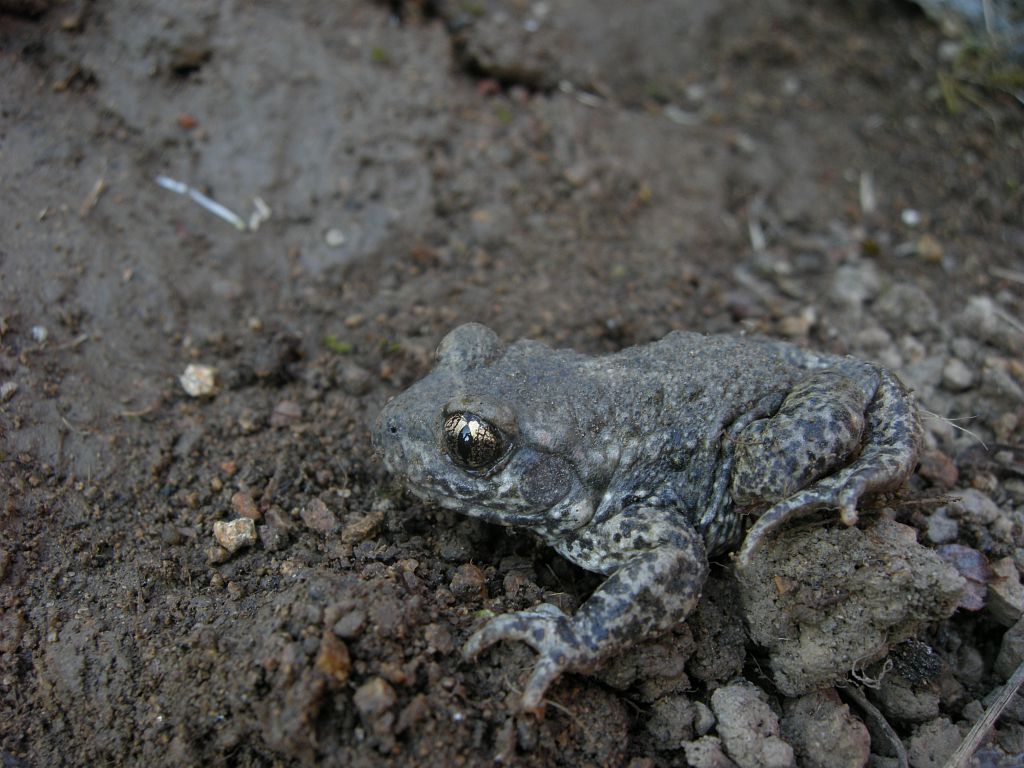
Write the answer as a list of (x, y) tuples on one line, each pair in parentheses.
[(592, 174)]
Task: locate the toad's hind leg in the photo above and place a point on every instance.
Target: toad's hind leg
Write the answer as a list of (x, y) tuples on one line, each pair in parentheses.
[(890, 446)]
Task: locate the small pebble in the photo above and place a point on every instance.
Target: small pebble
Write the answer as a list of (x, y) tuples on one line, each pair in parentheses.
[(363, 528), (7, 390), (244, 506), (170, 535), (956, 376), (707, 752), (39, 334), (350, 625), (933, 743), (468, 582), (216, 555), (976, 506), (374, 697), (974, 567), (334, 238), (333, 660), (285, 413), (824, 733), (705, 719), (749, 728), (235, 534), (1011, 651), (199, 380), (354, 379), (910, 217), (856, 283), (669, 721), (318, 517), (273, 539), (929, 248), (277, 519), (985, 320), (939, 469), (941, 528), (439, 639), (1005, 592)]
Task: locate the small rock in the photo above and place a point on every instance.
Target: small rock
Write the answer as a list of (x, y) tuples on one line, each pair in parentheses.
[(976, 506), (906, 308), (319, 518), (364, 527), (189, 53), (244, 506), (216, 555), (170, 535), (469, 582), (354, 379), (933, 743), (975, 570), (285, 413), (1005, 593), (985, 320), (277, 518), (707, 752), (855, 284), (1011, 651), (824, 733), (939, 469), (350, 625), (579, 173), (8, 390), (670, 721), (333, 660), (798, 326), (899, 701), (273, 539), (999, 380), (941, 528), (39, 334), (439, 639), (910, 217), (199, 380), (334, 238), (705, 719), (235, 534), (956, 376), (749, 728), (929, 248), (374, 697)]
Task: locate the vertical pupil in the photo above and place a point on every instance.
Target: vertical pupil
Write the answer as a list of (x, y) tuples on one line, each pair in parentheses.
[(464, 443)]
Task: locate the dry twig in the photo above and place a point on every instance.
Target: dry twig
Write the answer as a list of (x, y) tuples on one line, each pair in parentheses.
[(981, 729)]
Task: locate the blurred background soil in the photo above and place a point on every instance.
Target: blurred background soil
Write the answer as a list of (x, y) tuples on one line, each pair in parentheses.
[(592, 174)]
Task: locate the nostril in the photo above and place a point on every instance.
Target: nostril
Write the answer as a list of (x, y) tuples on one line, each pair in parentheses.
[(392, 429)]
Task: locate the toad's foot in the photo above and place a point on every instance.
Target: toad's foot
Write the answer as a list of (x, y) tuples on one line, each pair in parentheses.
[(655, 583), (545, 629), (888, 456)]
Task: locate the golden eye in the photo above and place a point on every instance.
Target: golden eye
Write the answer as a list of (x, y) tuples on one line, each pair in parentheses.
[(472, 442)]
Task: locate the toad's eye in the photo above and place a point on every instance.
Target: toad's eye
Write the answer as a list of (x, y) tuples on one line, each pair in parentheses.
[(472, 442)]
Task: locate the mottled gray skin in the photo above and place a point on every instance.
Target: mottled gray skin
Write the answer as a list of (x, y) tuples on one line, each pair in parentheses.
[(641, 464)]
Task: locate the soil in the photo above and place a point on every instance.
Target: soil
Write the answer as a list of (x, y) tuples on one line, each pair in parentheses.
[(835, 173)]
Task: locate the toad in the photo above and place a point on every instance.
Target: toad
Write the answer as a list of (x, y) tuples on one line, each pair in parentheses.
[(641, 465)]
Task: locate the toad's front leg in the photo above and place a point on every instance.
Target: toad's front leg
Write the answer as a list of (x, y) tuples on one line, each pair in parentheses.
[(659, 569)]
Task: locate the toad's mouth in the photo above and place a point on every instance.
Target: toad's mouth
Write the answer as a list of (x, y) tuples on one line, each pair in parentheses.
[(466, 499)]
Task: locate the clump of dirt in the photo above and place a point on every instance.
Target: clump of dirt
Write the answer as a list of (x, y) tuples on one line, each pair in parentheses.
[(826, 603)]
